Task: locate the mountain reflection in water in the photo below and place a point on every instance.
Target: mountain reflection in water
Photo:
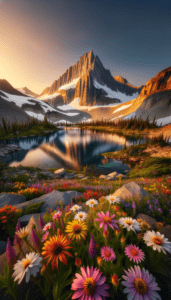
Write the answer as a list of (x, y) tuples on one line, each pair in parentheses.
[(69, 148)]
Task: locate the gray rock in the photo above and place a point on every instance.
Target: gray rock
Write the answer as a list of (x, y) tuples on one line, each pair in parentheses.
[(51, 200), (130, 190), (151, 221), (59, 172), (113, 174), (80, 176), (24, 220), (102, 177), (166, 230), (11, 199), (3, 245)]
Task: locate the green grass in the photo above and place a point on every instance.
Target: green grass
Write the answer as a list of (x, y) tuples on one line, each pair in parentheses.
[(151, 167)]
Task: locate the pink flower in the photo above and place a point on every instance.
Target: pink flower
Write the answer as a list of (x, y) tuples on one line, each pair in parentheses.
[(140, 284), (107, 253), (10, 253), (57, 215), (90, 285), (47, 226), (41, 222), (106, 220), (45, 236), (134, 253), (92, 251)]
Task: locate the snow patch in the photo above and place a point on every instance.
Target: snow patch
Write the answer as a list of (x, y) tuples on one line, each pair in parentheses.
[(164, 121), (46, 96), (116, 117), (122, 107), (69, 85), (114, 94), (39, 117)]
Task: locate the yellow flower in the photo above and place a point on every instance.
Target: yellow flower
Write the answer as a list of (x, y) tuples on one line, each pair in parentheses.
[(145, 226), (99, 260), (159, 225), (76, 229), (23, 232), (139, 220)]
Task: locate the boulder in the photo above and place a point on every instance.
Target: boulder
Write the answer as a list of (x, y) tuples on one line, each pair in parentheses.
[(102, 177), (151, 221), (51, 200), (130, 190), (166, 230), (11, 199), (3, 245), (59, 172), (24, 220), (69, 175)]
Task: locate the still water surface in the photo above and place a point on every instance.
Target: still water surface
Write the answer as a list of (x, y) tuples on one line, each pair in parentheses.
[(69, 148)]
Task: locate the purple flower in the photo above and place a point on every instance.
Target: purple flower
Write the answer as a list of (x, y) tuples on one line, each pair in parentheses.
[(10, 253), (17, 240), (133, 205), (35, 239), (160, 210), (92, 251), (169, 211), (53, 226), (148, 201), (150, 207), (41, 222)]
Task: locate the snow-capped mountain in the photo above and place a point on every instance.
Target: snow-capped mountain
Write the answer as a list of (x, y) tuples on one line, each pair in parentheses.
[(89, 82), (14, 104), (27, 92)]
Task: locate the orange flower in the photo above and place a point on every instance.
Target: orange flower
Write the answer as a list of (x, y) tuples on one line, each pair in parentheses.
[(114, 279), (116, 208), (97, 245), (59, 231), (123, 213), (99, 260), (122, 240), (105, 233), (117, 231), (4, 221), (55, 249), (78, 262)]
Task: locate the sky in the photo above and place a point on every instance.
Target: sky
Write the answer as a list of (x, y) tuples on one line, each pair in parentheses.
[(41, 39)]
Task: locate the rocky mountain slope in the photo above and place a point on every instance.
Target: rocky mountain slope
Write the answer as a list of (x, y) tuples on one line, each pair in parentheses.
[(14, 104), (90, 83), (27, 92), (153, 101)]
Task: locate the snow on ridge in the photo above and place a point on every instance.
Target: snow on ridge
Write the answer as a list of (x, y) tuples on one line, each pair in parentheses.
[(46, 96), (76, 101), (114, 94), (116, 117), (164, 121), (20, 100), (69, 85), (122, 107)]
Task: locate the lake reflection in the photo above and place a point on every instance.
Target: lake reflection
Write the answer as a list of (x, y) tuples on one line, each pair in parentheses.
[(69, 148)]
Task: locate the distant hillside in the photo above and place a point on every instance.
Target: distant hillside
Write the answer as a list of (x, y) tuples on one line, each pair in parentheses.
[(27, 92)]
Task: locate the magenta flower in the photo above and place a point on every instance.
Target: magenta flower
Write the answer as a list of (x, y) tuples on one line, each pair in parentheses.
[(106, 220), (90, 285), (92, 250), (47, 226), (45, 236), (53, 226), (35, 239), (107, 253), (10, 253), (140, 284), (17, 240), (41, 222), (134, 253), (57, 215)]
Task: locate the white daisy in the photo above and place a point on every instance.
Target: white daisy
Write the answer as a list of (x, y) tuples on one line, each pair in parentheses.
[(112, 199), (80, 216), (130, 224), (47, 226), (91, 202), (23, 232), (157, 241), (75, 207), (29, 266)]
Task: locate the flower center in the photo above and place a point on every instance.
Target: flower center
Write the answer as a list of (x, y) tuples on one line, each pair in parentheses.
[(76, 228), (58, 249), (140, 286), (81, 215), (89, 286), (26, 263), (106, 219), (128, 222), (157, 240), (92, 202), (112, 199), (107, 253), (134, 252)]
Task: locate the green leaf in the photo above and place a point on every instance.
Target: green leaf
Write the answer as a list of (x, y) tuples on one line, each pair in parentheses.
[(6, 269), (55, 291)]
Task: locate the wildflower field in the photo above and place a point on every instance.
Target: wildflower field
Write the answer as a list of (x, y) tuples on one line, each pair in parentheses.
[(94, 249)]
